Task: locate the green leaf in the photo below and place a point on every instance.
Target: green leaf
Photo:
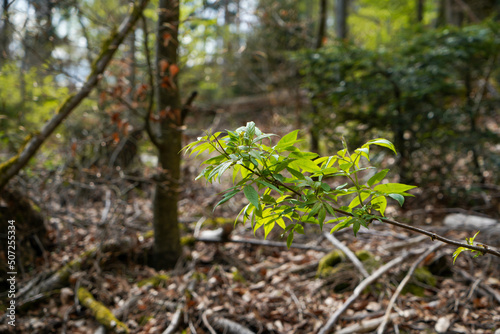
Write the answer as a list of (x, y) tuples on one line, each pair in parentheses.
[(321, 217), (252, 196), (299, 229), (227, 197), (289, 239), (269, 185), (295, 173), (355, 201), (388, 188), (382, 142), (380, 204), (377, 177), (306, 165), (342, 224), (356, 226), (315, 209), (398, 198), (268, 227), (287, 140), (457, 253)]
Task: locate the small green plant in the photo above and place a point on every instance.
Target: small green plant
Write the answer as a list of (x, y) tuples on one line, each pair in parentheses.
[(286, 186)]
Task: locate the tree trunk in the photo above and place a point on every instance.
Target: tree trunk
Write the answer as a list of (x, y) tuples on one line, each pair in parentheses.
[(314, 132), (341, 19), (420, 10), (5, 33), (167, 248)]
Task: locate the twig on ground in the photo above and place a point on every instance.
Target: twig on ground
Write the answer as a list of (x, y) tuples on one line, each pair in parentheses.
[(206, 323), (266, 243), (369, 325), (348, 253), (483, 286), (228, 326), (176, 320), (401, 285), (405, 244)]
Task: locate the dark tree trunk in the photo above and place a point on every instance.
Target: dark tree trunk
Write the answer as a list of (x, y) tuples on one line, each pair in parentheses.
[(341, 19), (167, 248), (315, 131), (420, 10)]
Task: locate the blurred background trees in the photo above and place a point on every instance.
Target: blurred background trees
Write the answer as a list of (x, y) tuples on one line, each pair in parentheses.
[(421, 73)]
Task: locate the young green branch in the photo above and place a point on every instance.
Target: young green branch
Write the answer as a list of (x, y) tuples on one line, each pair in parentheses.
[(292, 185)]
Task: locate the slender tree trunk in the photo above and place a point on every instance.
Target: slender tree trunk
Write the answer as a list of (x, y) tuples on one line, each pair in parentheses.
[(167, 248), (5, 32), (341, 19), (315, 131), (322, 24), (420, 10)]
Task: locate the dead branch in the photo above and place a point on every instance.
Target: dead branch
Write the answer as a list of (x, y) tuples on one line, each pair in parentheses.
[(176, 320), (264, 243), (228, 326), (405, 244), (359, 289), (61, 276), (101, 313), (348, 253), (369, 325), (401, 285)]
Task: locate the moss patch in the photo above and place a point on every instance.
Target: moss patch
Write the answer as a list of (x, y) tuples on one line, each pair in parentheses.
[(155, 281), (328, 262), (101, 313)]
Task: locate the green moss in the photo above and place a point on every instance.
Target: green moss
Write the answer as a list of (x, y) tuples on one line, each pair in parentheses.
[(364, 255), (329, 261), (105, 49), (74, 265), (421, 275), (6, 165), (425, 276), (219, 221), (237, 277), (155, 281), (62, 106), (188, 240), (101, 313), (369, 260)]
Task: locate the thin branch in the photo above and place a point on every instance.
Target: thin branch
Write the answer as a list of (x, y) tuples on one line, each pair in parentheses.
[(147, 116), (401, 286)]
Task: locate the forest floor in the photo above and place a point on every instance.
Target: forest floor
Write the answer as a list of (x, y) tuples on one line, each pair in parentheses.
[(240, 287)]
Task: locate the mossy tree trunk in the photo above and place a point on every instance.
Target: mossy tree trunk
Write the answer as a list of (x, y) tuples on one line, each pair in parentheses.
[(167, 248)]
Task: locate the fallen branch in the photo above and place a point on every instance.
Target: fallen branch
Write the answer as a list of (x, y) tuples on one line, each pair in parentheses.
[(348, 253), (264, 243), (359, 289), (176, 320), (101, 313), (369, 325), (401, 286), (227, 326), (61, 276), (11, 167)]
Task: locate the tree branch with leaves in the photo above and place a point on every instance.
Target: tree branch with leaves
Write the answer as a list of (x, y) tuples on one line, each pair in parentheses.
[(286, 186)]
